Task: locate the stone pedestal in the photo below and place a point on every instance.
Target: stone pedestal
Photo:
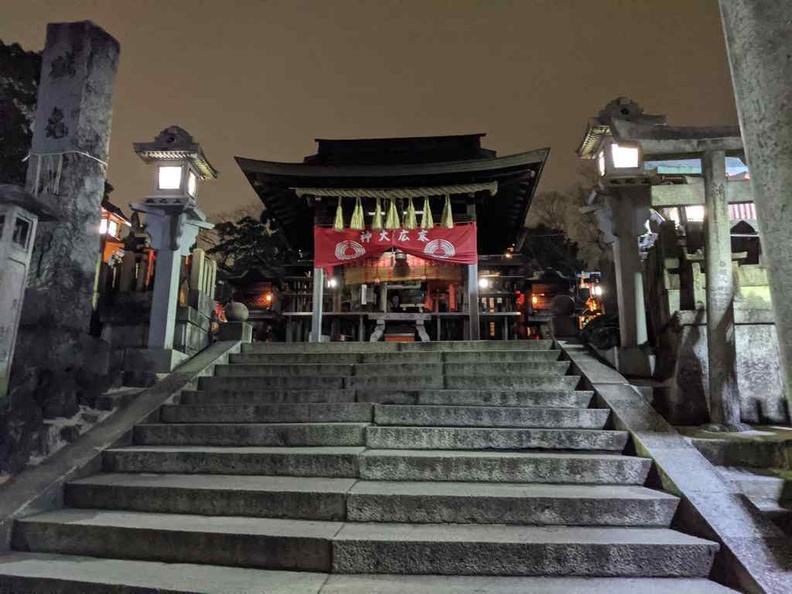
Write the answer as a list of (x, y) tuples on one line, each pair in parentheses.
[(236, 331), (759, 42), (629, 209), (173, 232)]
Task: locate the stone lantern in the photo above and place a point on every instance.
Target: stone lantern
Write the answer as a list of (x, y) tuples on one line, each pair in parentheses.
[(173, 221), (624, 197), (19, 216)]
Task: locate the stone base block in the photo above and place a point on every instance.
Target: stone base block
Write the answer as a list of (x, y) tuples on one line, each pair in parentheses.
[(236, 331), (153, 360), (201, 302), (630, 361)]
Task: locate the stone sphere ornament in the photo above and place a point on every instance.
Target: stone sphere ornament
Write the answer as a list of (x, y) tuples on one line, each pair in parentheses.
[(236, 312)]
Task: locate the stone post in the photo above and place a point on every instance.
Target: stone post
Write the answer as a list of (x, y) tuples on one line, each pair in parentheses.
[(759, 42), (724, 398), (66, 172), (318, 292)]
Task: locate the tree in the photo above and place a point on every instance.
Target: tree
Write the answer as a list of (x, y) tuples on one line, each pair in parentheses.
[(561, 234), (19, 77), (250, 243), (547, 247)]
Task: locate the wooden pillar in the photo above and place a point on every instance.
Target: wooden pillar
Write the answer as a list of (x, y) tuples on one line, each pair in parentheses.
[(473, 295), (473, 302), (724, 398), (316, 318)]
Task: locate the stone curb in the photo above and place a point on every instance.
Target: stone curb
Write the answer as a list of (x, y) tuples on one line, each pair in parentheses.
[(41, 488), (755, 555)]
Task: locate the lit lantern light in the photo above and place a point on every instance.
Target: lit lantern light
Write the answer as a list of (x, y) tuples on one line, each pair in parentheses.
[(179, 164), (597, 291), (332, 283), (484, 283), (616, 160), (625, 157)]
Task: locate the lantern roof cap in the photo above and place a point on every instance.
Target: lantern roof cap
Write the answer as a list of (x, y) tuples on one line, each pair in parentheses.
[(175, 143), (621, 109), (18, 196)]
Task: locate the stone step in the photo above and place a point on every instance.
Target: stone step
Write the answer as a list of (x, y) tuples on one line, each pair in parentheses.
[(283, 369), (43, 573), (278, 461), (507, 368), (474, 367), (503, 467), (273, 382), (347, 412), (204, 397), (512, 550), (287, 358), (509, 503), (371, 501), (179, 538), (488, 416), (214, 495), (252, 434), (512, 356), (468, 438), (391, 347), (527, 381), (472, 356), (431, 584), (554, 397), (757, 482), (461, 356)]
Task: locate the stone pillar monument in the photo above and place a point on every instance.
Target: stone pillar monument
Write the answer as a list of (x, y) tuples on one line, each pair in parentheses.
[(759, 43), (66, 171), (56, 358)]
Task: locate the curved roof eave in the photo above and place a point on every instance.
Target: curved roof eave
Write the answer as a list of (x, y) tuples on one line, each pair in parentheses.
[(333, 171)]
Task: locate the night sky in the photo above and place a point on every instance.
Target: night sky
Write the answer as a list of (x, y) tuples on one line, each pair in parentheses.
[(263, 78)]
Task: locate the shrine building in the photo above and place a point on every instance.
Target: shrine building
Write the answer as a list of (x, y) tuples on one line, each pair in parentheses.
[(408, 237)]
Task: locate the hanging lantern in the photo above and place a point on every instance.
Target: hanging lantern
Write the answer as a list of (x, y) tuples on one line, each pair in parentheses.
[(392, 220), (426, 218), (376, 223), (357, 223), (338, 225), (446, 220), (410, 220)]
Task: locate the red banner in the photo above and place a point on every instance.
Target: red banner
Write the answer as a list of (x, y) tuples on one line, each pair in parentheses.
[(454, 246)]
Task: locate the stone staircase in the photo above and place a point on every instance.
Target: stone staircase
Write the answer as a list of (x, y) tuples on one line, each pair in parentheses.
[(388, 466)]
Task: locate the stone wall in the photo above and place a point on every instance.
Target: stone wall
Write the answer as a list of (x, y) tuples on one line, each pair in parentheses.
[(676, 306)]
